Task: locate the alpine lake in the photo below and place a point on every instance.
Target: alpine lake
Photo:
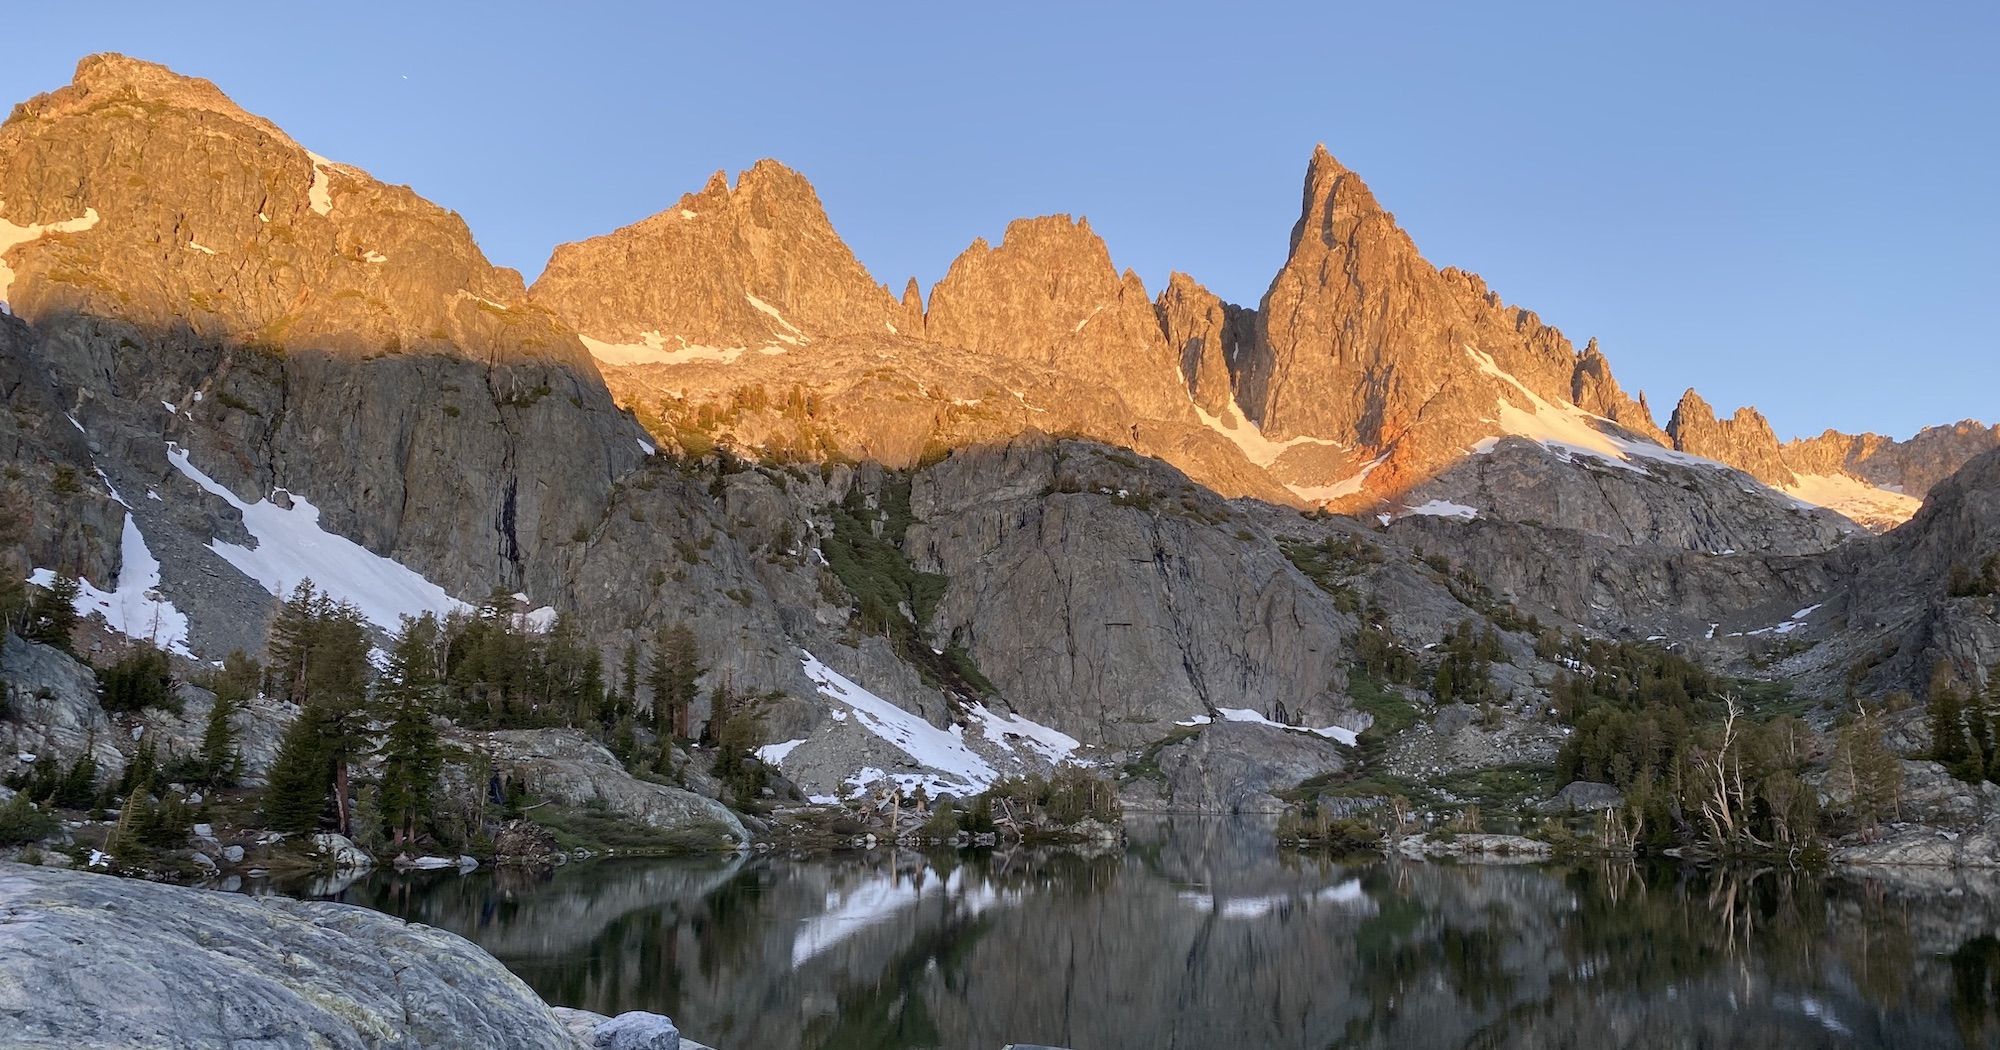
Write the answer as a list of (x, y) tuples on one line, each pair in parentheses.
[(1205, 934)]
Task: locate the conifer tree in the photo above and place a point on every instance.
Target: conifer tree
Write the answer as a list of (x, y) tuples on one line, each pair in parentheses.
[(141, 677), (1444, 686), (1873, 776), (221, 761), (295, 801), (675, 672), (78, 785), (412, 687), (13, 528), (319, 660), (51, 616), (1949, 746)]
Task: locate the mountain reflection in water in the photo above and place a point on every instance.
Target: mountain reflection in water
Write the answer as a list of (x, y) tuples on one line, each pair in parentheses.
[(1202, 934)]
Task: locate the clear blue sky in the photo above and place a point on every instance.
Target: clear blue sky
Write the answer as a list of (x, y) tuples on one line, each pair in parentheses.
[(1788, 203)]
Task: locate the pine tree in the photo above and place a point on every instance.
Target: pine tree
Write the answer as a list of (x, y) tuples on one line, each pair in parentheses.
[(51, 614), (675, 673), (628, 679), (78, 785), (1443, 687), (412, 686), (1949, 746), (1873, 775), (220, 760), (141, 677), (319, 659), (291, 642), (295, 801)]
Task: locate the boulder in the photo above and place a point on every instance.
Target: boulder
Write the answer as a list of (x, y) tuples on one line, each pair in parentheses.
[(346, 857), (294, 974), (568, 767), (1923, 846), (632, 1030), (1582, 796)]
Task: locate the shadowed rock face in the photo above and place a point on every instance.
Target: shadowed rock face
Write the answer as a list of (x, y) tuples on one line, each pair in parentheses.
[(326, 334), (1896, 596)]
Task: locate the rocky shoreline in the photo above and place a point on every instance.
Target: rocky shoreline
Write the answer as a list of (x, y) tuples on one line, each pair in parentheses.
[(164, 966)]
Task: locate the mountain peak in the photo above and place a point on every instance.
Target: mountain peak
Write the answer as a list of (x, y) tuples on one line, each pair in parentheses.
[(101, 78), (756, 266), (1745, 440)]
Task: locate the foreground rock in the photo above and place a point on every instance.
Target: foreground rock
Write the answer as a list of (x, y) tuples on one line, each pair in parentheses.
[(158, 959)]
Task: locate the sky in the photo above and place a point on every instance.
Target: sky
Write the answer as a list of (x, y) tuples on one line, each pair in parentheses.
[(1791, 204)]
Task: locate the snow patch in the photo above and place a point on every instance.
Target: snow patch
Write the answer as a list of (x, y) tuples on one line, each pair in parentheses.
[(959, 770), (652, 350), (1248, 437), (197, 246), (320, 194), (775, 753), (291, 546), (1244, 714), (647, 447), (771, 311), (136, 608), (1854, 499), (1567, 430), (13, 236), (375, 257), (1053, 744), (1340, 489), (1441, 508)]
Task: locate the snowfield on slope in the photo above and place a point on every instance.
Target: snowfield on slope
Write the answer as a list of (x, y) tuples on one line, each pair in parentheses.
[(1875, 507), (947, 761), (291, 546), (1568, 430)]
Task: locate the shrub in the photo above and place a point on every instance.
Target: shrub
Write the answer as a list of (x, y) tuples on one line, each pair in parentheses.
[(22, 823)]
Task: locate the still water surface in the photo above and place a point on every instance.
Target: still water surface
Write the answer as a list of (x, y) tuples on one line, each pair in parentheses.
[(1202, 935)]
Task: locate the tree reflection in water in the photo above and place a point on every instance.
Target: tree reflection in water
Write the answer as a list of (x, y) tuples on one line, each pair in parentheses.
[(1202, 933)]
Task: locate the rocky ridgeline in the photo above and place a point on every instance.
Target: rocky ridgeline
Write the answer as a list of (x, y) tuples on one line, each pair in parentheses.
[(1914, 466), (1363, 375)]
